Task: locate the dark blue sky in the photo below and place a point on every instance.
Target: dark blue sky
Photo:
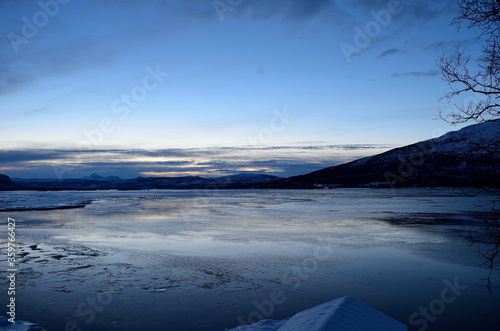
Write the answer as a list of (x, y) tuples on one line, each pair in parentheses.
[(216, 87)]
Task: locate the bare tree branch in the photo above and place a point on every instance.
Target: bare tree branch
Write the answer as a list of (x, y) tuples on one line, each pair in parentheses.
[(481, 80)]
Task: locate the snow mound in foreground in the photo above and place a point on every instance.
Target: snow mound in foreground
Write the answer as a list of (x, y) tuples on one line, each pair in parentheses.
[(18, 326), (344, 313)]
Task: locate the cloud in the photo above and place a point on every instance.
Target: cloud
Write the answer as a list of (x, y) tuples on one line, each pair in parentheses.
[(79, 38), (82, 36), (206, 11), (282, 160), (288, 10), (430, 10), (428, 73), (36, 111), (390, 52), (444, 45), (7, 157), (342, 13), (304, 10), (419, 11), (53, 59)]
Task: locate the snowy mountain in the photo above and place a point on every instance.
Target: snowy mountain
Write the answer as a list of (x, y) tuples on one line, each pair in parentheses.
[(467, 157)]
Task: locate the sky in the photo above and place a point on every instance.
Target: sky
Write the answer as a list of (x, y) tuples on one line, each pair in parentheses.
[(211, 88)]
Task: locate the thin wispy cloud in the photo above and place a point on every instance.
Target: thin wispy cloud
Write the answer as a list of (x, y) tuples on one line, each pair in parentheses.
[(447, 45), (390, 52), (36, 111), (428, 73)]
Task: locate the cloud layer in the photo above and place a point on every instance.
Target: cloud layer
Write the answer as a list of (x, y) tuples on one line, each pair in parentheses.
[(280, 160)]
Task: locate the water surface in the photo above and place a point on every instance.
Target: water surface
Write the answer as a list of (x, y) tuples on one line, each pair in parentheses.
[(205, 260)]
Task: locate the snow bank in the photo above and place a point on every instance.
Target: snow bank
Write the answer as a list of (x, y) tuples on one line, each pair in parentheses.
[(18, 326), (344, 313)]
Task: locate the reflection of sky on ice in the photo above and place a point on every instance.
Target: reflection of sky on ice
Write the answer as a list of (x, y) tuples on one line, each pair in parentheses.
[(194, 223), (218, 252)]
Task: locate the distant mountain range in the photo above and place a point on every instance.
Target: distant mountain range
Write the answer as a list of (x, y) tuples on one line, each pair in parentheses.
[(97, 182), (98, 177), (456, 159)]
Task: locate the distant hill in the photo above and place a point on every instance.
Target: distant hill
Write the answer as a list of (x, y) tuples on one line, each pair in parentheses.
[(98, 177), (6, 184), (246, 178), (450, 160), (97, 182)]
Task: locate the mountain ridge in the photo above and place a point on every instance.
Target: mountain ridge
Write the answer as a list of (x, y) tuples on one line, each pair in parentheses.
[(449, 160), (98, 182)]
